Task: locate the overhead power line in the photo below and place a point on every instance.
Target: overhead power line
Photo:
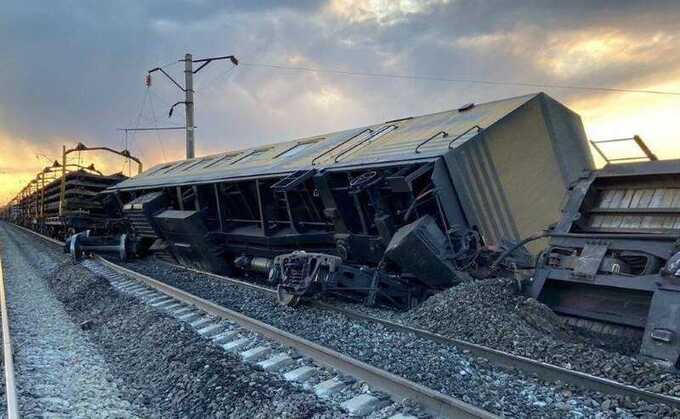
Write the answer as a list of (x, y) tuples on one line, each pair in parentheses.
[(457, 80), (150, 129), (221, 76), (188, 90), (158, 135)]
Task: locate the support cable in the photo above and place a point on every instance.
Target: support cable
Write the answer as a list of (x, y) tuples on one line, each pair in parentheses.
[(158, 135), (457, 80), (137, 120), (226, 75)]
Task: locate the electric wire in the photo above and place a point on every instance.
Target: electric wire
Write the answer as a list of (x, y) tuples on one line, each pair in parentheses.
[(226, 75), (158, 135), (138, 120), (124, 142), (457, 80), (127, 139), (175, 116), (141, 110), (169, 64)]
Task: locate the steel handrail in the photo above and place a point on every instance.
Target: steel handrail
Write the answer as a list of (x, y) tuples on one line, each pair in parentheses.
[(123, 153), (479, 129), (648, 154), (373, 134), (444, 134), (341, 144)]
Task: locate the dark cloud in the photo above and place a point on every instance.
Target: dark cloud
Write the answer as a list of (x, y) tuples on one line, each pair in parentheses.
[(75, 69)]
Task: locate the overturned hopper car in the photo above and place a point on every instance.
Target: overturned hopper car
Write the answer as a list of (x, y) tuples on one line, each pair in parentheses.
[(384, 213), (613, 261)]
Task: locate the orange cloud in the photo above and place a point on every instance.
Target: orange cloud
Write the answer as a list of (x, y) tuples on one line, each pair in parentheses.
[(21, 160), (570, 54), (623, 115), (565, 56)]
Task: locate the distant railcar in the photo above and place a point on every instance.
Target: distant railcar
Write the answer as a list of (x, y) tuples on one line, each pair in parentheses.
[(387, 212), (64, 198)]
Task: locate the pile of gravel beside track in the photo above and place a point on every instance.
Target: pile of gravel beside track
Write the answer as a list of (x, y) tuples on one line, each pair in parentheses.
[(434, 365), (490, 313), (167, 367)]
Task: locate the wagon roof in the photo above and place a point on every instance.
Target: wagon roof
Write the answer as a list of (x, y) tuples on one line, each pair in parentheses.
[(413, 138)]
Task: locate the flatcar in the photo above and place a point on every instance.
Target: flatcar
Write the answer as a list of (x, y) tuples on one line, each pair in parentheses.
[(64, 198)]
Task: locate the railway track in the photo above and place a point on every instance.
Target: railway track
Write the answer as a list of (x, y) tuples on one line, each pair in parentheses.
[(51, 368), (189, 306), (546, 372), (8, 358), (222, 325)]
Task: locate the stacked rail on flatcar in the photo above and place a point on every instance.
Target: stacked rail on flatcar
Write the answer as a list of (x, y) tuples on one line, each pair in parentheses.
[(64, 198)]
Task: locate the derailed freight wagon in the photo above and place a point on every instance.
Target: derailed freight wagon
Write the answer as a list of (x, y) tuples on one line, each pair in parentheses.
[(613, 261), (384, 213)]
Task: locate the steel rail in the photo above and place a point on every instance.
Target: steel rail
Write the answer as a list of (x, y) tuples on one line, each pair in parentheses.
[(234, 281), (546, 372), (398, 387), (42, 236), (8, 358)]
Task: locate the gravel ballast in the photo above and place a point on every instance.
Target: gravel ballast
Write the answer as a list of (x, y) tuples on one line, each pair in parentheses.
[(491, 313), (3, 395), (168, 367), (437, 366), (59, 371), (160, 366)]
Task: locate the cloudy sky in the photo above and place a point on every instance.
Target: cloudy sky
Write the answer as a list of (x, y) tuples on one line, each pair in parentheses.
[(74, 70)]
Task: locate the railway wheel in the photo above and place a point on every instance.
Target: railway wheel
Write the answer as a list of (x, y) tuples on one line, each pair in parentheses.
[(69, 232), (285, 298)]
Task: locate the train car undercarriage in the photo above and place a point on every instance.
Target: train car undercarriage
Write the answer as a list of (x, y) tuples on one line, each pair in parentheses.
[(376, 236)]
